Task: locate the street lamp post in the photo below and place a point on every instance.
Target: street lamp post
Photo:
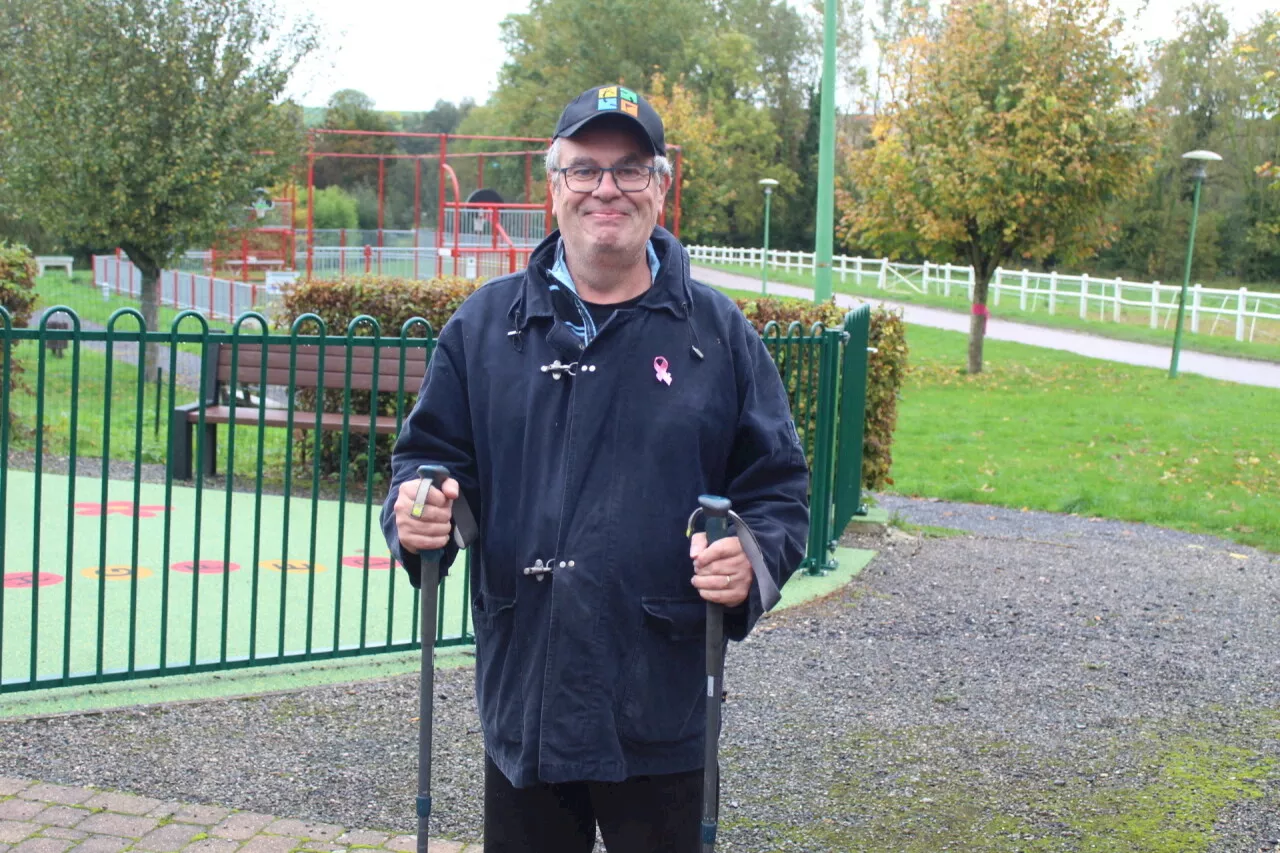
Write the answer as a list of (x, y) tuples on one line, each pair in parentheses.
[(1201, 157), (768, 184)]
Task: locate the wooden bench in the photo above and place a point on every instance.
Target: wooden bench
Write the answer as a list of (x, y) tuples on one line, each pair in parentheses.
[(218, 385), (43, 262)]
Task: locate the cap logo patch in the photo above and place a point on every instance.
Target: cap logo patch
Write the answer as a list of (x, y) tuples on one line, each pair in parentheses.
[(631, 109), (608, 92), (607, 104), (627, 95)]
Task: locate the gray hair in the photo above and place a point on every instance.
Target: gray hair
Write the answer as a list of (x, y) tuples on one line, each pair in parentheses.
[(660, 164)]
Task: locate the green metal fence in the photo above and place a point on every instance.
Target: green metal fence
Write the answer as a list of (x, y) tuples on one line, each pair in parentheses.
[(219, 510)]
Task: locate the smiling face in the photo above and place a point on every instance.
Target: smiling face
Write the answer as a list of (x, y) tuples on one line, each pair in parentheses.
[(606, 228)]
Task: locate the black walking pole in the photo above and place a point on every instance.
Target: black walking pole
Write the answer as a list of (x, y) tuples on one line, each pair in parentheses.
[(716, 511), (432, 475)]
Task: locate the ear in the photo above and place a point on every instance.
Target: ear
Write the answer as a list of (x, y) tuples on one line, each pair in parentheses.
[(665, 184), (554, 196)]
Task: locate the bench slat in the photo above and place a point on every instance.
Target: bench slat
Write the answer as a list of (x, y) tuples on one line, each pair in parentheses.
[(386, 424), (249, 366)]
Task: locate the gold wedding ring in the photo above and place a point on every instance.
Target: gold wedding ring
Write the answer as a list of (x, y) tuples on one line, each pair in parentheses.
[(420, 499)]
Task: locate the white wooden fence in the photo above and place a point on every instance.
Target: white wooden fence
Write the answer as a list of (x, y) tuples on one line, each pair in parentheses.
[(1090, 297), (216, 298)]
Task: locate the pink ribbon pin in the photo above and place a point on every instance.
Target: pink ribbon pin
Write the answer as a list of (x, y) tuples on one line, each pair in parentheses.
[(660, 369)]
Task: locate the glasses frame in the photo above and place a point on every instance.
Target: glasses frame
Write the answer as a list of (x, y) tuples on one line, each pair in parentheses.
[(651, 170)]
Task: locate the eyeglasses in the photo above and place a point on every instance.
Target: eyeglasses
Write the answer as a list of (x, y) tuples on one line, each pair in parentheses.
[(629, 178)]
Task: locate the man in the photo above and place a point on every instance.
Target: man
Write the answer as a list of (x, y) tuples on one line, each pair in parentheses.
[(582, 406)]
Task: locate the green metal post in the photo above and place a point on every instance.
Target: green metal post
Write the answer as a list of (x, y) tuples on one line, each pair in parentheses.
[(817, 559), (826, 160), (1186, 278), (764, 258), (853, 416)]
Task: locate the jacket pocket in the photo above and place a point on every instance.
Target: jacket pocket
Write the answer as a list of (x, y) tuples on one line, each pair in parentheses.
[(663, 694), (498, 689)]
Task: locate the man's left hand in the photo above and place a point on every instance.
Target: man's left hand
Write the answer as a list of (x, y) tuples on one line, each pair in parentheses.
[(722, 572)]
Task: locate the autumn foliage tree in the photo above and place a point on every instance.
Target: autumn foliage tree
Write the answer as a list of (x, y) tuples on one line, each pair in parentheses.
[(1009, 131), (143, 124)]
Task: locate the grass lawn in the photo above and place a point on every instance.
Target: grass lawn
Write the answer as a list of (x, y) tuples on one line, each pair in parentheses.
[(1048, 430), (1132, 328)]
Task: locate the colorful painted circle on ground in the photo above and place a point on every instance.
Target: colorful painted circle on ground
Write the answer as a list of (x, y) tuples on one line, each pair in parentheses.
[(293, 567), (120, 508), (23, 580), (379, 564), (207, 567), (115, 573)]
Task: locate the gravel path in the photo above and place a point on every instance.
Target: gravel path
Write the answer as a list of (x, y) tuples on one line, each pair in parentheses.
[(1042, 683)]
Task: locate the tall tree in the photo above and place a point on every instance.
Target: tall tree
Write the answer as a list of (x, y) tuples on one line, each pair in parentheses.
[(727, 147), (352, 110), (1202, 82), (1007, 135), (560, 47), (144, 124)]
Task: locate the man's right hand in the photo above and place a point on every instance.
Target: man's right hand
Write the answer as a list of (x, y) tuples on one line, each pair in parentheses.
[(431, 531)]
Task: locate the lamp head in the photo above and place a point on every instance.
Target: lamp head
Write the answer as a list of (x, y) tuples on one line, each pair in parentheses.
[(768, 184), (1201, 157)]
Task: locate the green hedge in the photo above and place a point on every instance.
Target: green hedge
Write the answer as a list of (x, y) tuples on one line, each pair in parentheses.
[(886, 370), (17, 282), (392, 301)]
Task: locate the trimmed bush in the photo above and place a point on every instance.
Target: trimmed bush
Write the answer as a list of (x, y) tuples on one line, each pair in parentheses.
[(17, 282), (787, 310), (389, 300), (886, 370)]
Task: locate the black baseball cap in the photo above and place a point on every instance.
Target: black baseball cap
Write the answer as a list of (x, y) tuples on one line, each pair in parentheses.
[(612, 100)]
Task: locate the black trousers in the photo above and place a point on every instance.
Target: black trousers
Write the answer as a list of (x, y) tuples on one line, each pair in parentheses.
[(644, 814)]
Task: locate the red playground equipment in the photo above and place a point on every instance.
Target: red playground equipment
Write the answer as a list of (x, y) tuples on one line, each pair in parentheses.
[(481, 234)]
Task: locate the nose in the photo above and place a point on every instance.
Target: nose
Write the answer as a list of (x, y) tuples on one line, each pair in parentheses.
[(608, 188)]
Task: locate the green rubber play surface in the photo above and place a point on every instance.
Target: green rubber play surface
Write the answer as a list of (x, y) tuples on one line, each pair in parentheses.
[(148, 581)]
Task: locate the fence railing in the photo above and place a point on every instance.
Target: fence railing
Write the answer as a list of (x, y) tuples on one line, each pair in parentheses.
[(224, 512), (424, 263), (214, 297), (225, 299), (1236, 312)]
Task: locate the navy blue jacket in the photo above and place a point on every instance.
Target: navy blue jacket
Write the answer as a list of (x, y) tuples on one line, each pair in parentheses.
[(597, 671)]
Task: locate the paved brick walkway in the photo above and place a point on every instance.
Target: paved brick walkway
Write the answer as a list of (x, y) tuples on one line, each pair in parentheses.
[(42, 818)]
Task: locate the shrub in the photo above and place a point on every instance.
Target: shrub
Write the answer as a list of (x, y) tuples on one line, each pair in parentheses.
[(335, 209), (886, 370), (391, 301), (17, 282), (787, 310), (18, 296)]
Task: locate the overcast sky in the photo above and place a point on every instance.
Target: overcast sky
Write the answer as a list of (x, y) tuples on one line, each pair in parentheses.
[(407, 54)]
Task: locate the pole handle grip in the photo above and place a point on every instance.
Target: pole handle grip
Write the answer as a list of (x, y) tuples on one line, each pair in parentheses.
[(429, 475), (716, 511)]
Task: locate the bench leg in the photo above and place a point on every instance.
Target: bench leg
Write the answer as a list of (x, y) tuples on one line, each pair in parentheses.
[(209, 451), (180, 446)]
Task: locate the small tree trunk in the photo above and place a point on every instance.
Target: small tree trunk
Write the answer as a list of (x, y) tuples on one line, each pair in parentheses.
[(978, 322), (150, 271)]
